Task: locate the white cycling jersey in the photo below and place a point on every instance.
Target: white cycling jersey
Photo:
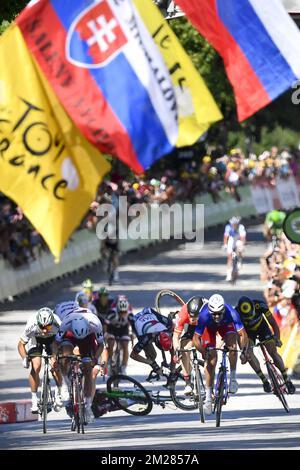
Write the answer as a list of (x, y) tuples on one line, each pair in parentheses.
[(65, 308), (32, 329), (95, 325), (147, 322)]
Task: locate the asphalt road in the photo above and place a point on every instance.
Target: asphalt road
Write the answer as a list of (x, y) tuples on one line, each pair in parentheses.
[(251, 419)]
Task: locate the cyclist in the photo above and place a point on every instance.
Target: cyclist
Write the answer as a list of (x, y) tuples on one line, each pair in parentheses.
[(111, 245), (218, 317), (118, 322), (186, 322), (88, 287), (273, 224), (84, 330), (40, 330), (256, 317), (234, 238), (103, 303), (83, 301), (151, 327)]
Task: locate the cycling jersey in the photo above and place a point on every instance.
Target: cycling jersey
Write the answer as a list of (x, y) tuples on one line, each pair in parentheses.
[(95, 326), (183, 319), (253, 322), (205, 319), (240, 232), (65, 308), (102, 311), (147, 323), (32, 329)]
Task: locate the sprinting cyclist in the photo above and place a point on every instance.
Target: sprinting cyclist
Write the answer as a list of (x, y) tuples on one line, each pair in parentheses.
[(82, 329), (256, 317), (103, 303), (186, 322), (118, 323), (234, 238), (218, 317), (83, 301), (151, 327), (40, 330)]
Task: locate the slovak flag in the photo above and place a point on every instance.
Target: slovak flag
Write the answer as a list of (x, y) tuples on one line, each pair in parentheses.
[(108, 73), (259, 43)]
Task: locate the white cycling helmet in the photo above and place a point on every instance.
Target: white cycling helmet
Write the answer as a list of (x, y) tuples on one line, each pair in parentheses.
[(235, 220), (216, 307), (80, 327), (44, 317), (122, 305)]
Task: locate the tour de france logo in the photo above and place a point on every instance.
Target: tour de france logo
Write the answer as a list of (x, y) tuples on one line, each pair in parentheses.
[(95, 37)]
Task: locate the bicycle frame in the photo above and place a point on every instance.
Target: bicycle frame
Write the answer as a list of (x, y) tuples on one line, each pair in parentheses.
[(279, 387), (46, 403), (76, 392)]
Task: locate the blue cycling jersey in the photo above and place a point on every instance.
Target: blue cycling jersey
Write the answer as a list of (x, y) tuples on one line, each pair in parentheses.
[(205, 319), (235, 233)]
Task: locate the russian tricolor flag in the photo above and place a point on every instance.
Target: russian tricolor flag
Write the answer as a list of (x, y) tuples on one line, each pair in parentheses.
[(108, 73), (259, 43)]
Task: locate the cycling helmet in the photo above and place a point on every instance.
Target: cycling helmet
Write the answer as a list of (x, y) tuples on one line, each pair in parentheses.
[(194, 306), (122, 305), (216, 307), (235, 220), (82, 299), (245, 306), (80, 327), (45, 317), (103, 292), (163, 341), (87, 284)]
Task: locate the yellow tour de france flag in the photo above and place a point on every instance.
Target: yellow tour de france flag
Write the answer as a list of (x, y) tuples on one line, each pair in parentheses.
[(46, 166), (197, 108)]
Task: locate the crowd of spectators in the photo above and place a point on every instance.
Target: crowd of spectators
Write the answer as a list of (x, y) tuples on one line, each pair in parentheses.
[(281, 275), (181, 181)]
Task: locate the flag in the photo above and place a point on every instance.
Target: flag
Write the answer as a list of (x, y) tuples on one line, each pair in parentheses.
[(46, 166), (197, 109), (108, 74), (259, 43)]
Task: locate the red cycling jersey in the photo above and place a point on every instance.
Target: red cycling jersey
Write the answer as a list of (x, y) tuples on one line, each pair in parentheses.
[(182, 319)]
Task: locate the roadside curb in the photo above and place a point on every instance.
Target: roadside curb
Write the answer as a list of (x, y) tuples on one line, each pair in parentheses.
[(16, 412)]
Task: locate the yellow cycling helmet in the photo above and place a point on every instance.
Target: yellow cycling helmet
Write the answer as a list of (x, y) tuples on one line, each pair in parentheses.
[(206, 159)]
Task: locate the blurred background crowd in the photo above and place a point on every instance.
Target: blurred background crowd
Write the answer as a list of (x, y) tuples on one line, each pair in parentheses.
[(173, 179)]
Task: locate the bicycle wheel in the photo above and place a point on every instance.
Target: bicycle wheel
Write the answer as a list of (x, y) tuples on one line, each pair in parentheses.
[(200, 395), (234, 269), (129, 395), (182, 401), (78, 406), (167, 301), (278, 384), (219, 398), (45, 394)]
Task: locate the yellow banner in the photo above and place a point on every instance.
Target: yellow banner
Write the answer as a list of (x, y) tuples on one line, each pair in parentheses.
[(196, 106), (290, 349), (46, 166)]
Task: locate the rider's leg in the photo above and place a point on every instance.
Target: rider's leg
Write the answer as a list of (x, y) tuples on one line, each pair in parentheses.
[(230, 340), (185, 359), (125, 353), (254, 363), (110, 346), (209, 371), (67, 349), (34, 379), (229, 258)]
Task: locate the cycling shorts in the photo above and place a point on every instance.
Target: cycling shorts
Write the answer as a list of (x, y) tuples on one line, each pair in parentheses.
[(87, 346), (210, 334)]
